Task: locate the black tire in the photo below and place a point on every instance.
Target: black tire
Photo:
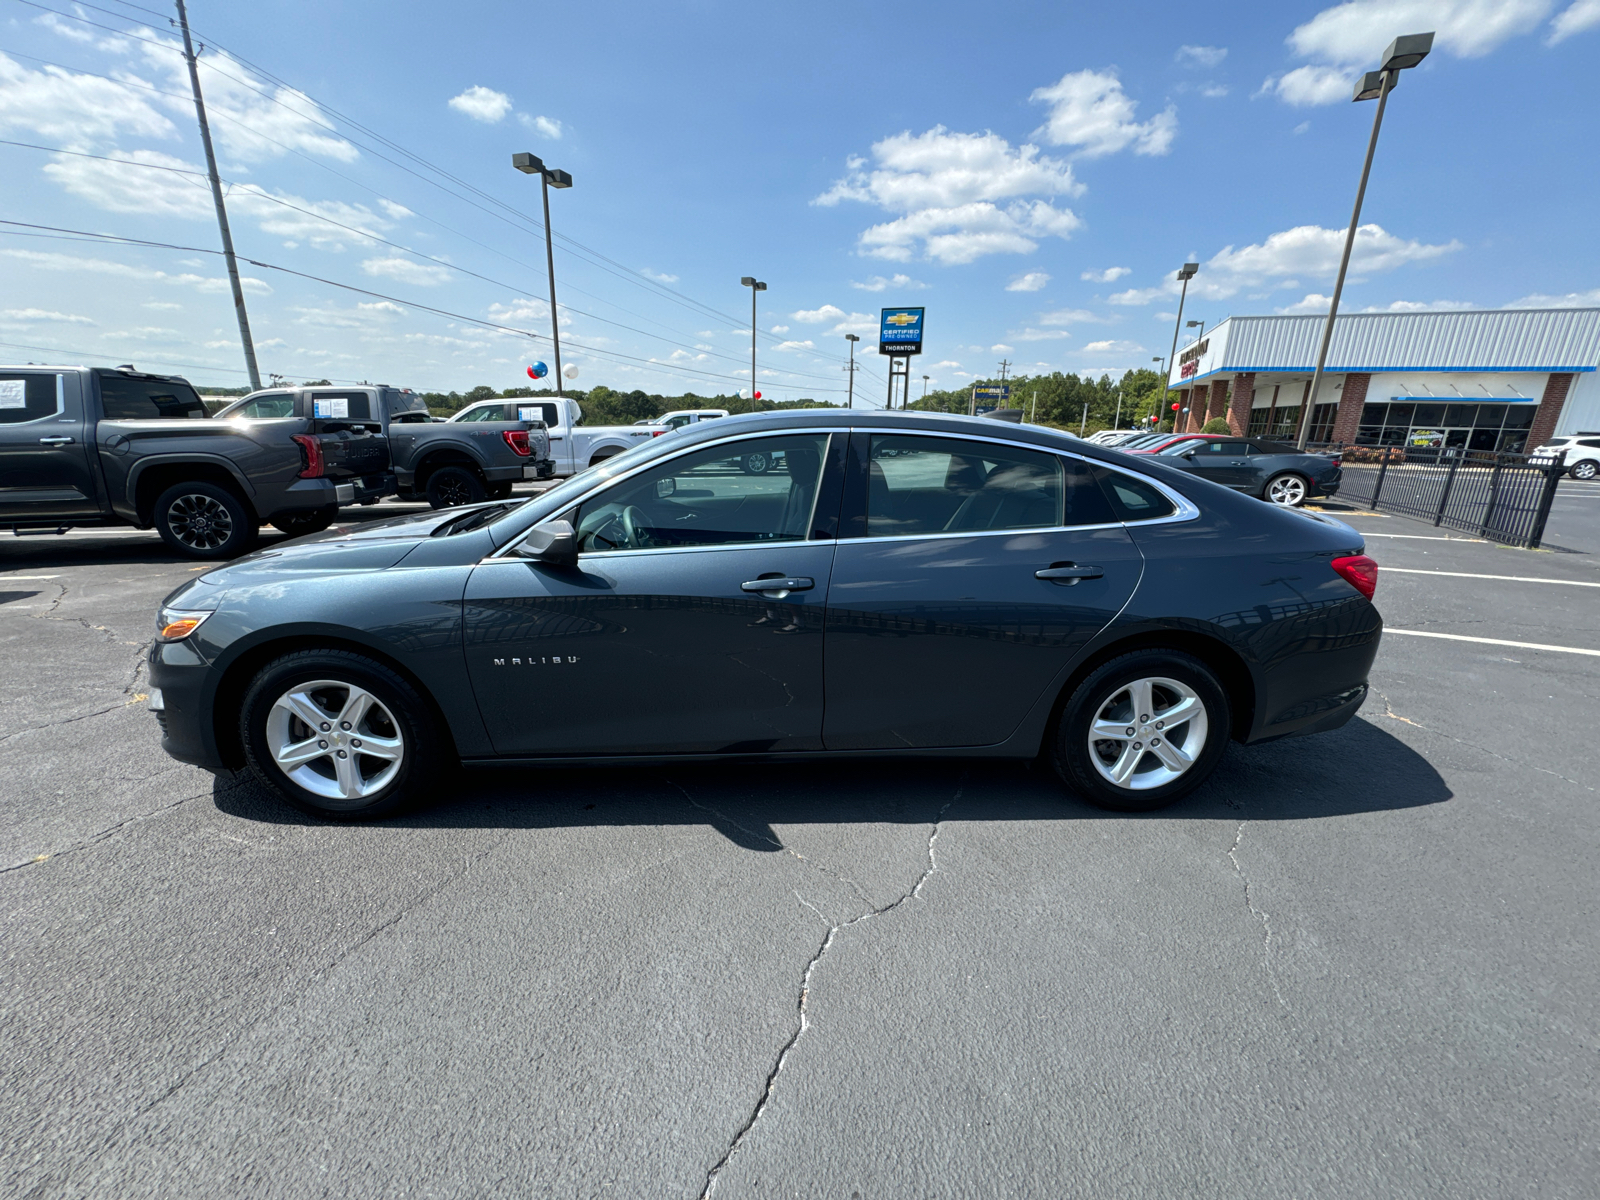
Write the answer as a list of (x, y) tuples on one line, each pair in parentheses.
[(1587, 469), (452, 487), (1287, 489), (298, 524), (204, 521), (600, 458), (421, 758), (758, 463), (1106, 689), (500, 491)]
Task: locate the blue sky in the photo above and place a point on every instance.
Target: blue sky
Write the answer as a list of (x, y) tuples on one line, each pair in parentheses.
[(1032, 174)]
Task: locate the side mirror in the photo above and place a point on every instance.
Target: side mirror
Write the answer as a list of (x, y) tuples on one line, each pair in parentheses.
[(554, 542), (666, 487)]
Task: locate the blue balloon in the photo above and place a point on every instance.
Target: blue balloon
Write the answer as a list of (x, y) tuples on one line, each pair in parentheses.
[(538, 371)]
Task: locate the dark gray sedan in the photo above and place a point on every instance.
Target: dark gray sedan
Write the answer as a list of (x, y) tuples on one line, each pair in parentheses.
[(894, 584), (1266, 470)]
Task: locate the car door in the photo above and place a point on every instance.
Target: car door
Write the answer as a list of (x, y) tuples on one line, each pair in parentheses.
[(970, 573), (47, 468), (1223, 461), (693, 622)]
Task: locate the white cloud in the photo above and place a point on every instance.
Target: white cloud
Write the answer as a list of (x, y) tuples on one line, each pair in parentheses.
[(775, 329), (1001, 348), (74, 110), (814, 316), (1089, 109), (947, 364), (1355, 33), (47, 261), (1570, 300), (1113, 348), (163, 305), (544, 126), (1202, 56), (1072, 316), (949, 188), (482, 104), (1311, 85), (1033, 281), (1301, 128), (1041, 335), (1109, 275), (398, 212), (405, 270), (901, 283), (44, 314), (1214, 91), (658, 276), (1583, 15), (796, 345)]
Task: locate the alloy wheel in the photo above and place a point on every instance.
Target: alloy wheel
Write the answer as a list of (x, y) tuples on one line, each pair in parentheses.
[(1288, 490), (334, 739), (1148, 733), (199, 521), (1587, 469)]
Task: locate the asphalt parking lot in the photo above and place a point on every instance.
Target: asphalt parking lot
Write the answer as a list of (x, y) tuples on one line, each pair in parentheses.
[(1362, 964)]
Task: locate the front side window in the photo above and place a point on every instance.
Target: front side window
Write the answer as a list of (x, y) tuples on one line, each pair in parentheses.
[(921, 485), (129, 399), (276, 404), (27, 398), (756, 490), (1224, 449), (1180, 447), (489, 412)]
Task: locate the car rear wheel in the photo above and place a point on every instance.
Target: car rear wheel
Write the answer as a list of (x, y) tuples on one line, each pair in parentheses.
[(1142, 731), (1587, 469), (451, 487), (756, 464), (298, 524), (1287, 489), (203, 520), (339, 735)]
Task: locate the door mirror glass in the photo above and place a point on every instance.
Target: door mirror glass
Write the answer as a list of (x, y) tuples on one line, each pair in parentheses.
[(666, 487), (554, 542)]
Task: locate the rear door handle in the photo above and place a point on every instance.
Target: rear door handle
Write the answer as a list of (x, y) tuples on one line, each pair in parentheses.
[(55, 441), (1069, 573), (778, 585)]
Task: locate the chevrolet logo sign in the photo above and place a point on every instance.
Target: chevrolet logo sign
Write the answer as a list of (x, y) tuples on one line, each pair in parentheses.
[(901, 319)]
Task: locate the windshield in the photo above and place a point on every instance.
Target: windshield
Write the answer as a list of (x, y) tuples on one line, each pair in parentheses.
[(556, 498)]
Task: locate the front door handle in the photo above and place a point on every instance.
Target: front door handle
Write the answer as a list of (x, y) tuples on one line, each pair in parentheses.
[(784, 585), (1069, 573), (59, 440)]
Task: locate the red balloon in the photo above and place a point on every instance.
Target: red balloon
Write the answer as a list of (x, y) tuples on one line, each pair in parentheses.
[(1174, 408), (758, 395)]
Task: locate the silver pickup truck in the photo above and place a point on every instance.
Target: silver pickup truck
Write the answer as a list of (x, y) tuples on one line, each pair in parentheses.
[(448, 464), (96, 446)]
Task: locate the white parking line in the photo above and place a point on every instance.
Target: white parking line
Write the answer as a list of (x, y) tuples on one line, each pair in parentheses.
[(1470, 575), (30, 578), (1459, 637), (1422, 537)]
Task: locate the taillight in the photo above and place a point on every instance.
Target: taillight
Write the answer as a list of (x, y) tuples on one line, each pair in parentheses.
[(657, 432), (517, 439), (311, 453), (1359, 571)]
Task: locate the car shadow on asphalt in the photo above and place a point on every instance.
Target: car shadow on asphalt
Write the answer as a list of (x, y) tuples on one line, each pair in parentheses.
[(1294, 780)]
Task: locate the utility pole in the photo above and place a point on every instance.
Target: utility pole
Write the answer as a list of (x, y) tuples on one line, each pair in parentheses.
[(1084, 424), (1004, 363), (222, 210), (1033, 413), (852, 339)]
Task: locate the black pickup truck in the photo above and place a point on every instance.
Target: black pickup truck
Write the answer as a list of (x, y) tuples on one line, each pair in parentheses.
[(96, 446), (446, 463)]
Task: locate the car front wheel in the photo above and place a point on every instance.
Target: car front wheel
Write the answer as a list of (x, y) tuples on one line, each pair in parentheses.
[(1142, 731), (1286, 489), (339, 735)]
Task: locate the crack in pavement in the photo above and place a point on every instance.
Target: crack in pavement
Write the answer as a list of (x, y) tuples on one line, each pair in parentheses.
[(803, 1021), (1388, 711), (95, 839), (1259, 914)]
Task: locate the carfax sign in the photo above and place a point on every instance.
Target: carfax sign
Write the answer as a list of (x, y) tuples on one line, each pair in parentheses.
[(900, 331)]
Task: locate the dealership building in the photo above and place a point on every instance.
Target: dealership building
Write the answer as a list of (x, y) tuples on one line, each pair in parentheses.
[(1507, 379)]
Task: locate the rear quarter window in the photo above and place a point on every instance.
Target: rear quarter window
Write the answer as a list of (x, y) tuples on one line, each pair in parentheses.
[(1132, 498), (27, 397)]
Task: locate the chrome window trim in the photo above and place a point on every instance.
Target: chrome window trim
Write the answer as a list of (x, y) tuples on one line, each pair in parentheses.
[(583, 498), (1010, 531)]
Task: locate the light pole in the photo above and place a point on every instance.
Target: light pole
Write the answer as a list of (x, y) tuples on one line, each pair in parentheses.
[(755, 285), (532, 164), (1193, 324), (1185, 273), (924, 387), (1402, 53), (1161, 366), (852, 339)]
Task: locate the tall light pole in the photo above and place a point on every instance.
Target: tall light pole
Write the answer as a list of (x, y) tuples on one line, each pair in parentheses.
[(1402, 53), (924, 387), (1185, 273), (222, 209), (1193, 324), (530, 164), (755, 285), (852, 339)]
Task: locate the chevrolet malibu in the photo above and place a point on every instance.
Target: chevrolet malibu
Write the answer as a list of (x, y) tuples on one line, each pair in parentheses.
[(895, 585)]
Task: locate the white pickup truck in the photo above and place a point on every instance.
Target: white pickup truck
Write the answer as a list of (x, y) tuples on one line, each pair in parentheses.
[(574, 445)]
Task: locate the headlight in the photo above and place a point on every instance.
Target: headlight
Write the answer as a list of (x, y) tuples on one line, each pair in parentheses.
[(173, 625)]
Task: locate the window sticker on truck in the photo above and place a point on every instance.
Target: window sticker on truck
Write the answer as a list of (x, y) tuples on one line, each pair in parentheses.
[(528, 414), (12, 394), (332, 409)]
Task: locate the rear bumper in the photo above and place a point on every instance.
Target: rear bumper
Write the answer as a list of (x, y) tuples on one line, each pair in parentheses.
[(501, 474), (370, 487)]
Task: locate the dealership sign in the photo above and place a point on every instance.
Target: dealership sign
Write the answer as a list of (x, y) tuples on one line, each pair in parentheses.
[(900, 331), (997, 394), (1189, 360)]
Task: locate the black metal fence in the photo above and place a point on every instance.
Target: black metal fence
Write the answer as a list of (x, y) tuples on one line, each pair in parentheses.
[(1502, 497)]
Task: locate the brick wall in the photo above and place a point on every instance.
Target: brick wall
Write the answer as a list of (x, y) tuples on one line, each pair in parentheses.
[(1180, 419), (1241, 396), (1348, 418), (1549, 414)]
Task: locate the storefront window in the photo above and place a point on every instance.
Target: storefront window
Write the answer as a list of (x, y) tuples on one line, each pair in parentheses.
[(1426, 424)]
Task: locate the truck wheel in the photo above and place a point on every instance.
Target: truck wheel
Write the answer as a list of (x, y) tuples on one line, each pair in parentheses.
[(500, 491), (202, 520), (451, 487), (298, 524)]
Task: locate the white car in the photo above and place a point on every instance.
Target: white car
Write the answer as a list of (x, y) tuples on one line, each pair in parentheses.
[(573, 445), (1583, 452), (667, 422)]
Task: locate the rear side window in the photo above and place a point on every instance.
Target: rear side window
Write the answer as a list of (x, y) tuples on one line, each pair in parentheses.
[(1133, 499), (131, 399), (27, 398), (536, 412), (341, 406)]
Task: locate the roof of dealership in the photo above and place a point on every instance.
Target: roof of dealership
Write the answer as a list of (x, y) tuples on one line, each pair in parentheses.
[(1528, 339)]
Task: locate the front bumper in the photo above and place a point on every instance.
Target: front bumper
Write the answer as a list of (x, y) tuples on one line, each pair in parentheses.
[(184, 685)]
